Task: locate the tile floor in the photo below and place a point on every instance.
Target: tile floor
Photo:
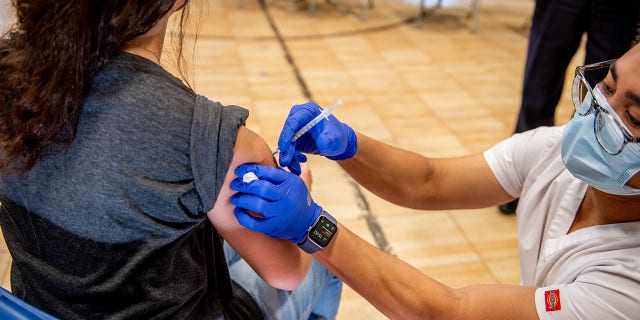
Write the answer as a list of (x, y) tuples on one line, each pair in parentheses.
[(433, 87)]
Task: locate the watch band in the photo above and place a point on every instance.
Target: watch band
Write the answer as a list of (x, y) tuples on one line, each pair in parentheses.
[(320, 233)]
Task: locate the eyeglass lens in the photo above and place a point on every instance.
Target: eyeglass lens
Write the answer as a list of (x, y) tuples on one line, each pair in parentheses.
[(581, 95), (609, 133)]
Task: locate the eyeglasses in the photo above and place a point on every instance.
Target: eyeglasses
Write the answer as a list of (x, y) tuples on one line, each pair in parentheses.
[(612, 134)]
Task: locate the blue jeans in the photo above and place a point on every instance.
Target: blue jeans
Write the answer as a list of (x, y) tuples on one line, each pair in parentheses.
[(317, 297)]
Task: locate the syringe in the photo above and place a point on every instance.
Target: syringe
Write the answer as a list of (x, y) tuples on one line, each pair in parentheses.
[(323, 114)]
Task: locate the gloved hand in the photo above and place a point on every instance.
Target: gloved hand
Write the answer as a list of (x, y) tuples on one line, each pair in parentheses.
[(330, 137), (281, 197)]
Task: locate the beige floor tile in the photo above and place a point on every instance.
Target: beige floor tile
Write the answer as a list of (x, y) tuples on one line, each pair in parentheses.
[(493, 235), (461, 274), (354, 307), (505, 271)]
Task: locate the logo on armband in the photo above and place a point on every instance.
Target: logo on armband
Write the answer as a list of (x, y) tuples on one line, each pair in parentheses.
[(552, 300)]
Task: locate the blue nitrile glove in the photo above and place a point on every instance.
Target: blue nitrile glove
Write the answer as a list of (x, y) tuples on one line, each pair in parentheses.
[(280, 196), (330, 137)]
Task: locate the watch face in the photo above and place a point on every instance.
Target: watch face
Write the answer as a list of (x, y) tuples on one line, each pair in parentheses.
[(323, 231)]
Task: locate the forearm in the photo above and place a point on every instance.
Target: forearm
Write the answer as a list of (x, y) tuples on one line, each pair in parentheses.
[(412, 180), (394, 174), (394, 287)]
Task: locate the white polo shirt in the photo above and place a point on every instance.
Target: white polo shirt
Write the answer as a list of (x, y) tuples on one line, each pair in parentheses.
[(592, 273)]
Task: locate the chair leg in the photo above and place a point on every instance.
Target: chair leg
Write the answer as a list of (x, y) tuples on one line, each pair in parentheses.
[(475, 15), (312, 6), (420, 13), (366, 4)]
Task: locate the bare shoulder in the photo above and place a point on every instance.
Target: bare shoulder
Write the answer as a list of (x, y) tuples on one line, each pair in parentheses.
[(251, 148)]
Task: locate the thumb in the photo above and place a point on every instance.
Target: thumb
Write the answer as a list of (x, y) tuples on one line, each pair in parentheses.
[(271, 174)]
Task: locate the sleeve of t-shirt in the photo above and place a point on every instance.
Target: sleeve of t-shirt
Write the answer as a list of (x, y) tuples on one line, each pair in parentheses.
[(213, 136), (611, 295), (512, 159)]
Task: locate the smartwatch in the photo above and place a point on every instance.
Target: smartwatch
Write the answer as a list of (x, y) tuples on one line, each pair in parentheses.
[(320, 233)]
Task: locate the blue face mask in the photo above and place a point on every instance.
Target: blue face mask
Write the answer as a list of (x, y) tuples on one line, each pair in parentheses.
[(586, 160)]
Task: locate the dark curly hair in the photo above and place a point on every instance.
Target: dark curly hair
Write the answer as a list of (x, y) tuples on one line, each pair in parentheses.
[(48, 60)]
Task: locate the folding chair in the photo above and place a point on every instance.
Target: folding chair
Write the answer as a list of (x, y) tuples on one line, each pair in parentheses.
[(13, 308), (474, 12)]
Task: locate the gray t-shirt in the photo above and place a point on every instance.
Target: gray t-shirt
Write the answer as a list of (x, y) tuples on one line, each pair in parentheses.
[(115, 226)]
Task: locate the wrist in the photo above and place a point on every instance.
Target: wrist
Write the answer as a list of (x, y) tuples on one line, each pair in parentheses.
[(320, 233), (352, 146)]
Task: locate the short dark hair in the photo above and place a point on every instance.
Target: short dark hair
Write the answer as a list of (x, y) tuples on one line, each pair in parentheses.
[(637, 39)]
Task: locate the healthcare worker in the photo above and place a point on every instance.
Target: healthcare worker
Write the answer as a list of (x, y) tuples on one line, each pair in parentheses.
[(578, 224)]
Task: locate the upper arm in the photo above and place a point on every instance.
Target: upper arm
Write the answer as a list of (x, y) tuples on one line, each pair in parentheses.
[(278, 262), (497, 301), (606, 297)]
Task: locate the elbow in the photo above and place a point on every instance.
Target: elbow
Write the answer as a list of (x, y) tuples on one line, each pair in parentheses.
[(417, 197), (288, 276), (285, 283), (286, 280)]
